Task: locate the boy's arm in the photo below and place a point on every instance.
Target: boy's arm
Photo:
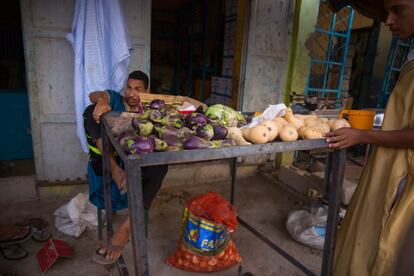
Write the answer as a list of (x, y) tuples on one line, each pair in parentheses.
[(346, 137)]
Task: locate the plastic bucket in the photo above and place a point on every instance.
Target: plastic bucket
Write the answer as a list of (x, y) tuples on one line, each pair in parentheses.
[(362, 119)]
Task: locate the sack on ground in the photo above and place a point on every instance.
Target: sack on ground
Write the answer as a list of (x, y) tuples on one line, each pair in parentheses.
[(205, 244), (308, 227)]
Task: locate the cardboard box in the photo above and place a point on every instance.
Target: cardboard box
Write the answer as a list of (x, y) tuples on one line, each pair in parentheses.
[(171, 99)]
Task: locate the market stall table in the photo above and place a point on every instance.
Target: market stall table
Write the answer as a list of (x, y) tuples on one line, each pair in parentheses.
[(333, 182)]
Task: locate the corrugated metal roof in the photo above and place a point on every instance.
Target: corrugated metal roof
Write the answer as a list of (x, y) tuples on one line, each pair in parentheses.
[(370, 8)]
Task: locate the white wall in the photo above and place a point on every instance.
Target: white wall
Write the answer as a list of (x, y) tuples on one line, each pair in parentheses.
[(267, 53), (49, 66)]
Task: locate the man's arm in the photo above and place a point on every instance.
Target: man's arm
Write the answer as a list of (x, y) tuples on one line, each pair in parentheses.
[(346, 137), (101, 99)]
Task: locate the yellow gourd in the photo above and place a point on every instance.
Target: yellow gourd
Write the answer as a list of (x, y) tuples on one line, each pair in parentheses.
[(235, 133), (296, 122), (288, 133), (257, 135), (272, 128), (338, 124)]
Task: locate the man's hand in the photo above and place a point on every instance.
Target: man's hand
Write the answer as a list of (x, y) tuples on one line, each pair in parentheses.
[(101, 107), (344, 138)]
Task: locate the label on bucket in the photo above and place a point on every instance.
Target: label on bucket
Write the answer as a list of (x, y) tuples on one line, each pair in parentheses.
[(203, 236)]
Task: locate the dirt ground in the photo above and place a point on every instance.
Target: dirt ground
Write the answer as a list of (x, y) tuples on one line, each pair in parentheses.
[(260, 202)]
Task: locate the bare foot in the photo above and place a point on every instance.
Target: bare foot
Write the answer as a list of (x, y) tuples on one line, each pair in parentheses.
[(119, 240)]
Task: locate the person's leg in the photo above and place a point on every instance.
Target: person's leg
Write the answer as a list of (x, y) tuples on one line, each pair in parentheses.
[(119, 240)]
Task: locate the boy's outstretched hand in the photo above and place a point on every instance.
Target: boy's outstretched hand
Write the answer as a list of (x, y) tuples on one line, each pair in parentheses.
[(344, 138)]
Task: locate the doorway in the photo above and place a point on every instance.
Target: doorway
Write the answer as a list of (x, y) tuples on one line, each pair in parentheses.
[(192, 49), (16, 150)]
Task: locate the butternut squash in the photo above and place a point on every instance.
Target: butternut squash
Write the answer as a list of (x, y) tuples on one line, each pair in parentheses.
[(309, 122), (235, 133), (338, 124), (256, 135), (313, 133), (273, 129), (288, 133), (306, 116), (296, 122)]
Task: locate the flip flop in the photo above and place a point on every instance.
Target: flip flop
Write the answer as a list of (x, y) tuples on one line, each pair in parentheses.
[(101, 258), (13, 252), (20, 236)]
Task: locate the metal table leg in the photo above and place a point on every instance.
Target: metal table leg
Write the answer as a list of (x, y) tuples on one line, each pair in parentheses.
[(335, 174), (107, 185), (233, 172), (136, 216)]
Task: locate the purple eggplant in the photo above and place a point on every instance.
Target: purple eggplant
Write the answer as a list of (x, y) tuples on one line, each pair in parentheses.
[(172, 140), (166, 130), (159, 145), (125, 135), (142, 127), (157, 117), (195, 119), (220, 132), (205, 132), (175, 121), (157, 104), (196, 142), (184, 133), (138, 145)]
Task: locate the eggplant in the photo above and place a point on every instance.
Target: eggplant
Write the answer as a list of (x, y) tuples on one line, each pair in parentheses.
[(155, 116), (195, 119), (138, 145), (205, 132), (196, 142), (125, 135), (166, 130), (159, 145), (172, 140), (175, 121), (142, 127), (220, 132), (184, 133), (157, 104)]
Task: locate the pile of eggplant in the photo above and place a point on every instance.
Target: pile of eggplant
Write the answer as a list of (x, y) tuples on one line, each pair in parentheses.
[(163, 128)]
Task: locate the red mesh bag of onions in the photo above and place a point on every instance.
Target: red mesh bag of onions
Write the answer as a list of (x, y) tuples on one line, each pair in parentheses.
[(205, 244)]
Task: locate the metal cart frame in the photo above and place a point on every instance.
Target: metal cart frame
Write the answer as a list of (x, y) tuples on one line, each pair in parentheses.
[(333, 181)]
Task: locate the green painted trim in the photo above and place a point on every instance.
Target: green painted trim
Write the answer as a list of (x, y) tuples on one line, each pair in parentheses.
[(305, 20), (292, 52)]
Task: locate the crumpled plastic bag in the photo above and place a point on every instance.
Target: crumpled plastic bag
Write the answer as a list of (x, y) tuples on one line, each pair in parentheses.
[(269, 114), (308, 227), (76, 216)]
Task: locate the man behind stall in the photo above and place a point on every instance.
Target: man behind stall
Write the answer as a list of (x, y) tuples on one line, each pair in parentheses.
[(152, 177)]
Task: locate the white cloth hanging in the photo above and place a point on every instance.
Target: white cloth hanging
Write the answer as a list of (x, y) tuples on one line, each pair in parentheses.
[(102, 48)]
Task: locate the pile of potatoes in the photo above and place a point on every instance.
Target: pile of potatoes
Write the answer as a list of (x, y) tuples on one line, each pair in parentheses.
[(287, 128)]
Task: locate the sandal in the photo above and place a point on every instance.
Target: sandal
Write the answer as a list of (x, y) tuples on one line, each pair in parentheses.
[(100, 257), (20, 236), (13, 252)]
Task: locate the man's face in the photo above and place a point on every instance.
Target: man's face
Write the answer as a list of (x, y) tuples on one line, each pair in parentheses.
[(400, 18), (132, 90)]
